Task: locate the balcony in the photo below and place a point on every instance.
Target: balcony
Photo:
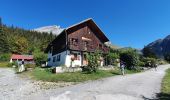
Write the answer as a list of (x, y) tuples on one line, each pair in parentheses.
[(87, 47)]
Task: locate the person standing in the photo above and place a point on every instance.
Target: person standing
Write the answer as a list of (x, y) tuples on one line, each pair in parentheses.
[(155, 66), (122, 67), (22, 68)]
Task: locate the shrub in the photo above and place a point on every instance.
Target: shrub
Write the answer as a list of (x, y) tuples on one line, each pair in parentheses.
[(130, 57), (5, 57), (167, 57), (112, 57), (147, 52), (141, 63), (162, 62), (12, 64), (93, 62), (39, 56), (149, 62), (30, 65), (49, 70)]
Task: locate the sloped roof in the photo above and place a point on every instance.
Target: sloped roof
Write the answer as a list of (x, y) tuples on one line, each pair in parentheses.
[(93, 25), (26, 57), (88, 22)]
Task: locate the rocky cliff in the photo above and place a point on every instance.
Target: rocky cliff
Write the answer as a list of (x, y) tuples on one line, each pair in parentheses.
[(160, 46)]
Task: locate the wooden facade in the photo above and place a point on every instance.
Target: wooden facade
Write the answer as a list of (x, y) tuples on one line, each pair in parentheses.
[(74, 42), (84, 39), (85, 36)]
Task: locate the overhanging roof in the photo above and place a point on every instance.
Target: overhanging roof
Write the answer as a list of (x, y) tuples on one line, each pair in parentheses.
[(93, 26), (98, 32)]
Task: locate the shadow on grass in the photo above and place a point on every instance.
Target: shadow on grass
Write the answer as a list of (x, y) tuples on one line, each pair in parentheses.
[(116, 73), (163, 96), (159, 96)]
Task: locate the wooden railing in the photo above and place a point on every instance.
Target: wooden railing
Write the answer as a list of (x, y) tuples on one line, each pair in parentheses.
[(88, 47)]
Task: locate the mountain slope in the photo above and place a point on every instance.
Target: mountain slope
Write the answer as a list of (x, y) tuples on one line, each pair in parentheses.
[(50, 29), (160, 46), (109, 44)]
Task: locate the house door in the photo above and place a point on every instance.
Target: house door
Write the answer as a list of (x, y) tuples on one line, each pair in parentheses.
[(85, 62)]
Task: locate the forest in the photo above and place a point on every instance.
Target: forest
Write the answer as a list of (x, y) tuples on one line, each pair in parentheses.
[(14, 40), (20, 41)]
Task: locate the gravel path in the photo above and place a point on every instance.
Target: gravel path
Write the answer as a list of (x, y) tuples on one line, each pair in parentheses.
[(129, 87)]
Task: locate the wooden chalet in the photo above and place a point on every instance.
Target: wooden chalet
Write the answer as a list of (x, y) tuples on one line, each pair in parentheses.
[(71, 45)]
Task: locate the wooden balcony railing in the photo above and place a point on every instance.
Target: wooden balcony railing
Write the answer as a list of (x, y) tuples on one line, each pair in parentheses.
[(88, 47)]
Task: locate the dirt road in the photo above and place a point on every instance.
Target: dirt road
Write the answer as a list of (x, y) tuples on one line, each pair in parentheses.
[(129, 87)]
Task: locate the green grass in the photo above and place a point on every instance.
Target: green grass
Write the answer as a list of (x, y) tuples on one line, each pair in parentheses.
[(44, 75), (4, 64), (165, 92), (166, 83)]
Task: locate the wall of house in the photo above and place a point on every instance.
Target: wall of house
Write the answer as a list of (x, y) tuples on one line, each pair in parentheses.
[(76, 62), (87, 40), (53, 62), (50, 62), (65, 59)]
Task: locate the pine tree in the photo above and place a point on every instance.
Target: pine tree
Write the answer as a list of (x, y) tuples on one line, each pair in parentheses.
[(17, 40)]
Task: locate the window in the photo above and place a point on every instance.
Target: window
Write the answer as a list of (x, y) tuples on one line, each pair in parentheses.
[(100, 46), (73, 41), (58, 57), (85, 45), (49, 59), (76, 56), (54, 59)]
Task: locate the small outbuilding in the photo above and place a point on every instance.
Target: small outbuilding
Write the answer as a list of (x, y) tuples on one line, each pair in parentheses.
[(28, 59)]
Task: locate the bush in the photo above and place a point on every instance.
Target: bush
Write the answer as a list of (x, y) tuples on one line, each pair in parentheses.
[(30, 65), (112, 57), (5, 57), (147, 52), (162, 62), (130, 57), (12, 64), (93, 62), (9, 64), (141, 63), (167, 57), (149, 62), (38, 57)]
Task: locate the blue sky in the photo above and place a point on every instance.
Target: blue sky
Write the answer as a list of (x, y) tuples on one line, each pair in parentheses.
[(126, 23)]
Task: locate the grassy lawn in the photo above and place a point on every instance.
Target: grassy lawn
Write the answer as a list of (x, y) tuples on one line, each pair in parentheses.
[(44, 75), (165, 95), (4, 64), (166, 83)]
